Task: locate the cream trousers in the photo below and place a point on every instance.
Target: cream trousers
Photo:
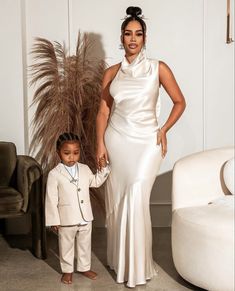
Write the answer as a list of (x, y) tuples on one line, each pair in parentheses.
[(75, 238)]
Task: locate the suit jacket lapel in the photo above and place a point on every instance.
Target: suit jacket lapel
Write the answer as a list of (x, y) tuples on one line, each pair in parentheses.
[(65, 173)]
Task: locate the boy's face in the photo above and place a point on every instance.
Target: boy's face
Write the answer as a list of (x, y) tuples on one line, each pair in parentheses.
[(69, 153)]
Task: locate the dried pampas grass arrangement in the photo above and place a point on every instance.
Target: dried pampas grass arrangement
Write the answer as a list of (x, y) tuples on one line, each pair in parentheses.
[(66, 99)]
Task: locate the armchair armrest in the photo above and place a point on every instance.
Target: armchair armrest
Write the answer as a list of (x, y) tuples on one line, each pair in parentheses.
[(30, 184), (29, 177), (198, 178)]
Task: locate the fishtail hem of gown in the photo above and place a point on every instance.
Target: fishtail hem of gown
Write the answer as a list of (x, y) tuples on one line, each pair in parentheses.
[(143, 282), (148, 278), (115, 262)]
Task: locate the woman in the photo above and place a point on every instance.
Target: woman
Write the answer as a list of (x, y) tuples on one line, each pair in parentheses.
[(128, 135)]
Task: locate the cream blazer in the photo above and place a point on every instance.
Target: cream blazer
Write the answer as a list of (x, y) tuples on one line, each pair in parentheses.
[(66, 202)]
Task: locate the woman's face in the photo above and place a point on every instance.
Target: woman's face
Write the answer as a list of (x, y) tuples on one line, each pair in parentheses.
[(133, 38)]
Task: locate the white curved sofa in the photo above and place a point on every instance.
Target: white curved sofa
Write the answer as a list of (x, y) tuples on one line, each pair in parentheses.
[(203, 220)]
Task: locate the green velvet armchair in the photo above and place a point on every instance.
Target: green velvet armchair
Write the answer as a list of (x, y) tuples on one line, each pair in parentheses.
[(21, 192)]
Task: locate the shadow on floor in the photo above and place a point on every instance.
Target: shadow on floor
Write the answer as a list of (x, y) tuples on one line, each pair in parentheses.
[(20, 241), (162, 254), (161, 251)]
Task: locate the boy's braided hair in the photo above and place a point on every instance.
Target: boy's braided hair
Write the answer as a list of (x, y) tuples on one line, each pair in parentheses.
[(66, 136)]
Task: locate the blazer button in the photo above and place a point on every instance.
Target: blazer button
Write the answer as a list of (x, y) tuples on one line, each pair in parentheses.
[(81, 201), (79, 189)]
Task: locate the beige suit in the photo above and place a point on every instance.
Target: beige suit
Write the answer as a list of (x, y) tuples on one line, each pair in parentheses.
[(68, 205)]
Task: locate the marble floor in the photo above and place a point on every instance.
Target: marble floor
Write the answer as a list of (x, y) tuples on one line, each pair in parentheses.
[(21, 271)]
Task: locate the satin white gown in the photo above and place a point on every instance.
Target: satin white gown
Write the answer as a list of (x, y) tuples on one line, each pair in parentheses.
[(135, 158)]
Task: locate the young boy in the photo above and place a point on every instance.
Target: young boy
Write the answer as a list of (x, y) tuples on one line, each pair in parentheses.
[(68, 207)]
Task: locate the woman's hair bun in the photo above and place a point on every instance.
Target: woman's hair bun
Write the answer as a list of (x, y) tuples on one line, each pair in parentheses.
[(133, 11)]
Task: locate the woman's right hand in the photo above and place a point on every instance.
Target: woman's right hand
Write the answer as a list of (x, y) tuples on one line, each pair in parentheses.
[(101, 153)]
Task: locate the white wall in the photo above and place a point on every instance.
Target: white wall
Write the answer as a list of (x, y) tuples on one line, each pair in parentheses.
[(11, 75), (218, 77), (188, 35), (45, 19)]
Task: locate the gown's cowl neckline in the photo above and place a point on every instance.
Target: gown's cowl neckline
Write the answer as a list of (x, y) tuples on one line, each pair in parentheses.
[(139, 67)]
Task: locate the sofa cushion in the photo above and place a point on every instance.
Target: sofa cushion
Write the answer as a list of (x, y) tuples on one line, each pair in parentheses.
[(228, 174), (11, 201), (226, 201), (7, 163), (203, 244), (217, 214)]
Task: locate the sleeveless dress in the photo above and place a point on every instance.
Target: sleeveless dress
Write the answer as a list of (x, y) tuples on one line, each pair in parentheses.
[(135, 158)]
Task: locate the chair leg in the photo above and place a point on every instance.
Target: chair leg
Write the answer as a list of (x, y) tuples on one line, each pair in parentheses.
[(38, 235)]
